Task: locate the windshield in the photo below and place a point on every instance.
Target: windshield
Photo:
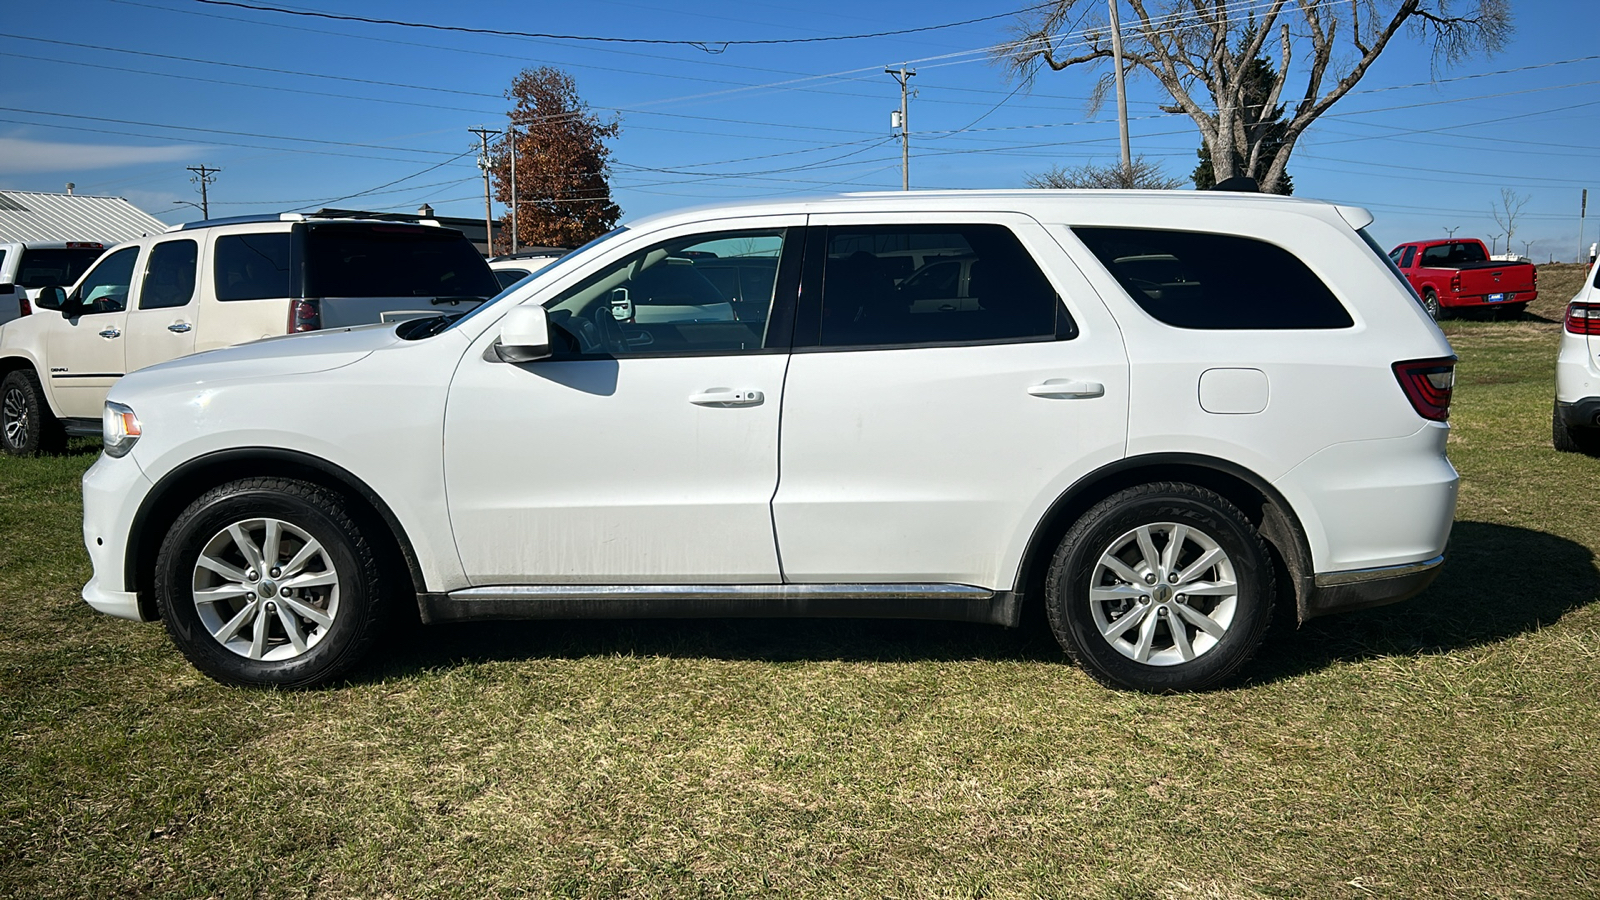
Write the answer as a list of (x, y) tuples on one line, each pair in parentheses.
[(47, 268), (554, 267), (394, 261)]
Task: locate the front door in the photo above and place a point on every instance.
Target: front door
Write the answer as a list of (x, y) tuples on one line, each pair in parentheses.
[(645, 451), (85, 352), (162, 325)]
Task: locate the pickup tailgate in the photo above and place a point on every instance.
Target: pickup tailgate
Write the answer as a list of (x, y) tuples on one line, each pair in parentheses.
[(1486, 280)]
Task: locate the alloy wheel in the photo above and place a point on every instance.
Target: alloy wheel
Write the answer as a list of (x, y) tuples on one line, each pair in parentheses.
[(266, 589), (1163, 594)]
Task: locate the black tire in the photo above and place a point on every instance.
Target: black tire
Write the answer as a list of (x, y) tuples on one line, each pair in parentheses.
[(357, 598), (1430, 302), (26, 426), (1241, 618), (1572, 440)]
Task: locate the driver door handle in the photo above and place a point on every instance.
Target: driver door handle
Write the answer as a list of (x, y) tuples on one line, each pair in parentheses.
[(727, 398), (179, 327), (111, 333), (1065, 388)]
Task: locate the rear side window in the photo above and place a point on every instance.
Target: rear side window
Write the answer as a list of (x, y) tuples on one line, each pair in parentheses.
[(1215, 281), (896, 285), (169, 275), (394, 261), (253, 266), (47, 268)]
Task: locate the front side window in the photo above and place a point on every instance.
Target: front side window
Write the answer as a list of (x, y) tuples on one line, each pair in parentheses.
[(899, 285), (106, 288), (1409, 257), (169, 275), (1209, 281), (253, 266), (667, 298)]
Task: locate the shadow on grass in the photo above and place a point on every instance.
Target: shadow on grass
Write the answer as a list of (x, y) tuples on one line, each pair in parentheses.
[(1484, 595), (1498, 582)]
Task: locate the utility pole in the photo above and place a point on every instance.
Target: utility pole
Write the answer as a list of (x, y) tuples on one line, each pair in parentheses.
[(511, 136), (1583, 210), (1451, 232), (203, 176), (1122, 95), (483, 164), (902, 121)]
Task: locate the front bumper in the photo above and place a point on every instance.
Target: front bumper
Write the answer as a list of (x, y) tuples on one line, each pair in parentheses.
[(112, 492), (1337, 592)]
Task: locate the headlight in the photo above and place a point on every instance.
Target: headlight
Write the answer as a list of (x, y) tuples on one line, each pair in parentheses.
[(119, 429)]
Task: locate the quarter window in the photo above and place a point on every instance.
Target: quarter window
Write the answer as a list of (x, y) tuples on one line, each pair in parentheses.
[(1215, 281), (705, 293), (106, 288), (169, 276), (253, 266), (934, 284)]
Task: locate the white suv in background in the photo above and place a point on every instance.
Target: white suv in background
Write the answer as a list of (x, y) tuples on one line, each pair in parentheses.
[(1162, 453), (214, 284), (1575, 421)]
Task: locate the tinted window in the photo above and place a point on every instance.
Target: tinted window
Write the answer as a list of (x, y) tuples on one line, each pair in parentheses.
[(394, 261), (1458, 253), (106, 288), (508, 277), (44, 268), (169, 276), (891, 285), (664, 298), (1408, 258), (1215, 281), (253, 266)]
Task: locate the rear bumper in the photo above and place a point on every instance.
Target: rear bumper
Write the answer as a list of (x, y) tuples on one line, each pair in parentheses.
[(1337, 592), (1583, 413), (1457, 301)]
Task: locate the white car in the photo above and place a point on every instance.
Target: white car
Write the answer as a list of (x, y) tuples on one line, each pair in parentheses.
[(214, 284), (513, 267), (1575, 421), (1162, 464)]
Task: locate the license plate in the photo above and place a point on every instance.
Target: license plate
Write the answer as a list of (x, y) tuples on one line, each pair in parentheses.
[(1495, 298)]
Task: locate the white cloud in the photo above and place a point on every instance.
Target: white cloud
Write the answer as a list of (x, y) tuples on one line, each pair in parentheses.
[(19, 156)]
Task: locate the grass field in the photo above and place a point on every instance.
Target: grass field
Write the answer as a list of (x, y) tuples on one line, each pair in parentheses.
[(1445, 747)]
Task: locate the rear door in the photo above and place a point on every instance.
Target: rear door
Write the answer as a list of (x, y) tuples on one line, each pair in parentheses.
[(924, 436), (162, 324)]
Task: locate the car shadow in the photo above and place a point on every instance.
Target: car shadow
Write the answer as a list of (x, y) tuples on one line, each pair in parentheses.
[(1483, 596)]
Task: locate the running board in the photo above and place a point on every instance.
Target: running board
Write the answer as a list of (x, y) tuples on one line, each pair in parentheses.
[(953, 602)]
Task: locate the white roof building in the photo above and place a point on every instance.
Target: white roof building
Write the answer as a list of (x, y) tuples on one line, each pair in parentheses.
[(38, 216)]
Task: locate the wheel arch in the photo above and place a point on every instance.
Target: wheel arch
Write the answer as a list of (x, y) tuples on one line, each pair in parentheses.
[(1261, 503), (180, 487), (13, 361)]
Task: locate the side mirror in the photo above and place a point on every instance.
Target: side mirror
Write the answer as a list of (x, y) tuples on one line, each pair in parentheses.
[(621, 305), (524, 335), (52, 297)]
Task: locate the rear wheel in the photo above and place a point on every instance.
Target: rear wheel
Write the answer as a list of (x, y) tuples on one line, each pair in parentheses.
[(1162, 587), (26, 426), (1572, 440), (1430, 302), (269, 582)]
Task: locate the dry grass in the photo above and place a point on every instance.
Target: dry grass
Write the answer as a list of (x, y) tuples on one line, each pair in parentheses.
[(1445, 747)]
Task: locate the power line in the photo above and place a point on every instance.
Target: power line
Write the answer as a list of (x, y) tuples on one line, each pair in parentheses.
[(705, 45)]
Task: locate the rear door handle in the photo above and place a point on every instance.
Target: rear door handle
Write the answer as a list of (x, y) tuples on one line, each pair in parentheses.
[(727, 397), (179, 327), (1065, 388), (111, 333)]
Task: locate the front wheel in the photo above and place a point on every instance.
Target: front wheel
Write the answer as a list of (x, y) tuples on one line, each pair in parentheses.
[(26, 426), (269, 582), (1160, 588)]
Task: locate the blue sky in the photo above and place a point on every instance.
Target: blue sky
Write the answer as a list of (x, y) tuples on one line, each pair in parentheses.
[(119, 96)]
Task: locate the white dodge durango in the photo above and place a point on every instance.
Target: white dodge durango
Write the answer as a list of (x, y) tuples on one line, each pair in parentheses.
[(1163, 414)]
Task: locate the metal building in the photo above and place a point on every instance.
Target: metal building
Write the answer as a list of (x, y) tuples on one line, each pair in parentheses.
[(38, 216)]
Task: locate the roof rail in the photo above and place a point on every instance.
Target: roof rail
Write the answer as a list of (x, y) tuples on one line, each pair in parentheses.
[(242, 220)]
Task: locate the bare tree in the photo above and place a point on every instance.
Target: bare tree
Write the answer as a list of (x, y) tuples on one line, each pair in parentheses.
[(1146, 176), (1199, 51), (1507, 213)]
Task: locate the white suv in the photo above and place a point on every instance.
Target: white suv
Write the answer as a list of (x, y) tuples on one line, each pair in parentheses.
[(214, 284), (1162, 453), (1575, 421)]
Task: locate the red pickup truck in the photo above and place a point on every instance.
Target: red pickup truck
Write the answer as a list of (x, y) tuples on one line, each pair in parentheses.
[(1456, 274)]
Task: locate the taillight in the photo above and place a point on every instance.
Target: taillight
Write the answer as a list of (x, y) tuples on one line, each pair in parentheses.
[(1428, 384), (1455, 282), (23, 305), (305, 315), (1583, 318)]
